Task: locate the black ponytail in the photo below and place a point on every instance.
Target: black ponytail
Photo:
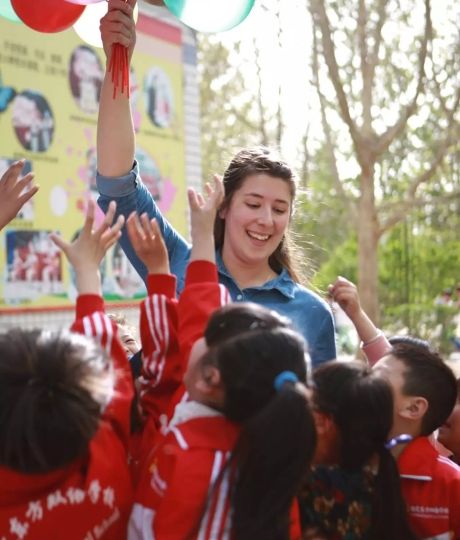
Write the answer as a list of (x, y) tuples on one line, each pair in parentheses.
[(389, 516), (278, 435), (273, 454)]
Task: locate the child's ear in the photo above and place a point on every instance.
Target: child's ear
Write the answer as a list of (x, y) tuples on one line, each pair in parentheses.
[(222, 213), (414, 408), (210, 381)]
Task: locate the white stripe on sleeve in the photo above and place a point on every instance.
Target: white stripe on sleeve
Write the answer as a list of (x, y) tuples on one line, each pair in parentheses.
[(222, 499), (163, 324), (216, 468), (150, 313)]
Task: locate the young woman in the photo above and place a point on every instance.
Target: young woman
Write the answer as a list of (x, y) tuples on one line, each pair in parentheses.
[(254, 256)]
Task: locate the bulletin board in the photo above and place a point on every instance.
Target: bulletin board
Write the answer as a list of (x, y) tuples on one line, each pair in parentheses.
[(49, 96)]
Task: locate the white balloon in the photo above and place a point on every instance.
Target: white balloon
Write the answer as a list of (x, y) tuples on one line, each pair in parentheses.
[(210, 15), (87, 26)]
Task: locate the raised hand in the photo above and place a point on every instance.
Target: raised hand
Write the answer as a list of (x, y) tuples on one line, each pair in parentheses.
[(148, 243), (345, 293), (12, 194), (85, 253), (202, 216), (118, 26)]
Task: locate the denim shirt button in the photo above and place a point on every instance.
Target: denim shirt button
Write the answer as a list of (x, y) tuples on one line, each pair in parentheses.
[(239, 297)]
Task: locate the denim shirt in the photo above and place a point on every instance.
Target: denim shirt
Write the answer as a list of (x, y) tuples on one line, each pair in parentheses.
[(310, 314)]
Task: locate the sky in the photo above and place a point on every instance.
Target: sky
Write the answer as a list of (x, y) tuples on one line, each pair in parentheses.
[(290, 65)]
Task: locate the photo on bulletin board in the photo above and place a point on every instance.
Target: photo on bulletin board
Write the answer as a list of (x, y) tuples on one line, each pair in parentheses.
[(158, 97), (33, 121), (34, 265), (85, 77)]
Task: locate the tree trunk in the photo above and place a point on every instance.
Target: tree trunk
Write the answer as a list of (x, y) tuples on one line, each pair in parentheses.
[(368, 245)]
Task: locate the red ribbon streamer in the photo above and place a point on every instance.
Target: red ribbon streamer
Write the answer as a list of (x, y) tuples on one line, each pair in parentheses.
[(119, 68)]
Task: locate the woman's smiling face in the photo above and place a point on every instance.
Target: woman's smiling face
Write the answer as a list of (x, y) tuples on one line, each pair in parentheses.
[(257, 218)]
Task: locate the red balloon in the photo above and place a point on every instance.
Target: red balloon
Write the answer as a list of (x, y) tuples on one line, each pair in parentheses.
[(84, 2), (47, 15)]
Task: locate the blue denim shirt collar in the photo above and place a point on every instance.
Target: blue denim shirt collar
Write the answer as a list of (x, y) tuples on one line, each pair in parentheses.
[(282, 283)]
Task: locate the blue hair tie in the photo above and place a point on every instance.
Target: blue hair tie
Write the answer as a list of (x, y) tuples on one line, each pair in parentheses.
[(400, 439), (282, 378)]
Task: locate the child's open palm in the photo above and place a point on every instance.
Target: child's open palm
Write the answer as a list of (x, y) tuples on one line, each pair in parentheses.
[(202, 217), (86, 252), (148, 243), (90, 247), (203, 210)]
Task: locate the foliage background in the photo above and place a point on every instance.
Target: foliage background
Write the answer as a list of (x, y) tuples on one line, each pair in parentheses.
[(245, 98)]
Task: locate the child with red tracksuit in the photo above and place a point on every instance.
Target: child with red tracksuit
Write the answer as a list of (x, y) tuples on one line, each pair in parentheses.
[(64, 407), (230, 460), (425, 393)]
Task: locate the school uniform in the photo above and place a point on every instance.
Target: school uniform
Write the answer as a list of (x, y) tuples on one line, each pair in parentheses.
[(184, 491), (191, 450), (164, 354), (169, 328), (162, 366), (90, 498), (430, 481), (430, 485)]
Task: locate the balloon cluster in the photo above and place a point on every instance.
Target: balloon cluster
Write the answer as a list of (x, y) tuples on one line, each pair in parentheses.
[(56, 15), (210, 15), (51, 16)]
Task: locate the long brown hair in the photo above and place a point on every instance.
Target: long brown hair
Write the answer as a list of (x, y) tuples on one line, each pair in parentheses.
[(253, 161)]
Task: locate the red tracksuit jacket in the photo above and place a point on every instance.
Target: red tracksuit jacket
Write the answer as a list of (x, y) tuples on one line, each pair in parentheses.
[(164, 354), (183, 493), (184, 485), (430, 485), (159, 378), (90, 499)]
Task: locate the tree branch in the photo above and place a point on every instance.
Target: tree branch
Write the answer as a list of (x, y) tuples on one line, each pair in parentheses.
[(377, 38), (244, 119), (260, 105), (423, 178), (441, 152), (327, 130), (305, 166), (319, 16), (279, 111), (406, 206), (438, 91), (365, 69), (384, 140)]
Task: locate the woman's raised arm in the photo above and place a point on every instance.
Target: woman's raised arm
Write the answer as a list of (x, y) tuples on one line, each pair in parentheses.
[(115, 132)]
